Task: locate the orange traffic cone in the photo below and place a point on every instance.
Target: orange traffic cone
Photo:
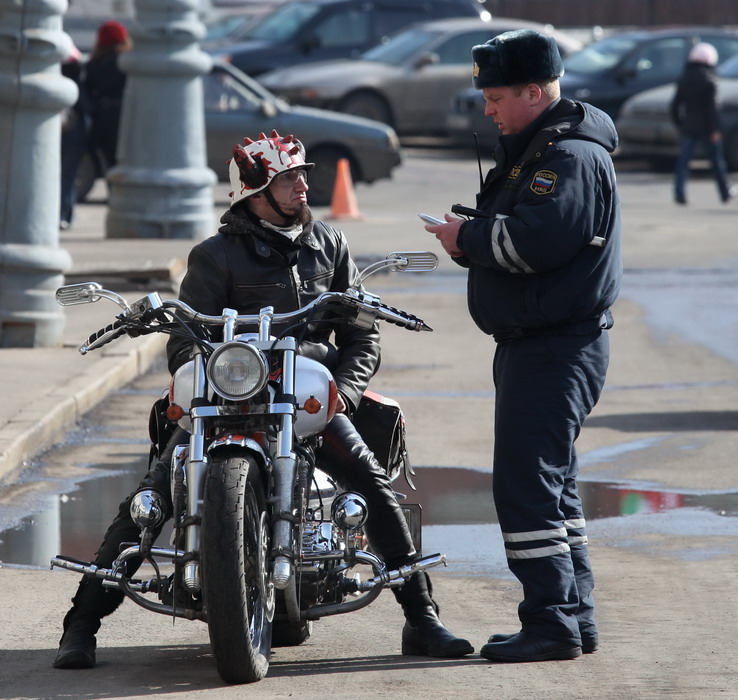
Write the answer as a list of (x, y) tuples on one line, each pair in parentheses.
[(343, 201)]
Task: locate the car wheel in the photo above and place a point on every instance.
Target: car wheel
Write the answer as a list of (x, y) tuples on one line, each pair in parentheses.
[(322, 179), (731, 151), (368, 105)]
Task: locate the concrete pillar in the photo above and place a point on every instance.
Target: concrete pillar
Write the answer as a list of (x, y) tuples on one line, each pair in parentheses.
[(161, 187), (32, 94)]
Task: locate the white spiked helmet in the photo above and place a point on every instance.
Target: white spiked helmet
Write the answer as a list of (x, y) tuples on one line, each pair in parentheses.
[(257, 163)]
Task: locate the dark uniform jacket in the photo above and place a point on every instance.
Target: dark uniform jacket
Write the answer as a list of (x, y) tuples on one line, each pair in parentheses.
[(532, 265), (246, 267), (694, 107)]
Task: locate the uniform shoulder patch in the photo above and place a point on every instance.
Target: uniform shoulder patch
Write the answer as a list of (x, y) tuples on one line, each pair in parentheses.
[(544, 182)]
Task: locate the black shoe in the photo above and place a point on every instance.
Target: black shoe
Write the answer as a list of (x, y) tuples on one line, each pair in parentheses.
[(589, 644), (76, 650), (523, 647), (679, 199)]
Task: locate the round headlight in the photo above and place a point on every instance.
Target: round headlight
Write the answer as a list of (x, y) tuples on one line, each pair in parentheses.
[(237, 371)]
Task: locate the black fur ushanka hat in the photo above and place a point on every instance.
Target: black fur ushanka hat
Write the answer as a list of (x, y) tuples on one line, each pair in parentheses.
[(516, 58)]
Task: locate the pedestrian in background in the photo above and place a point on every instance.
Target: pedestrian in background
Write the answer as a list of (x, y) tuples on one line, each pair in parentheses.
[(73, 137), (105, 83), (694, 110), (543, 254)]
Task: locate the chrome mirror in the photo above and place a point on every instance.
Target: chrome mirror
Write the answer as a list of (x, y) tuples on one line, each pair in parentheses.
[(414, 261), (82, 293), (404, 261), (87, 293)]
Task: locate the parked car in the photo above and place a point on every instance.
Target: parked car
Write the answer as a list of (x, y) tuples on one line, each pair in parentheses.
[(304, 31), (609, 71), (237, 106), (605, 73), (645, 128), (406, 82)]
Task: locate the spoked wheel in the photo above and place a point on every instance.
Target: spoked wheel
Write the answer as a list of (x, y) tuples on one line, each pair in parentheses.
[(238, 595)]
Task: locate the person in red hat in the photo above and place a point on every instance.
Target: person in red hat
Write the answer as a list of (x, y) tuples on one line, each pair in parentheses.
[(105, 83)]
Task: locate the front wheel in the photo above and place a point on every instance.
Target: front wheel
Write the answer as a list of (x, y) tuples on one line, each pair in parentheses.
[(238, 595)]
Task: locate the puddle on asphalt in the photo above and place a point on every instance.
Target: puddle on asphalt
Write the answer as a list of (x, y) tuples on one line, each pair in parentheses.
[(73, 522)]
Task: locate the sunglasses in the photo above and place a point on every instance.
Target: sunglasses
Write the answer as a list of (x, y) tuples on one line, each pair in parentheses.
[(291, 177)]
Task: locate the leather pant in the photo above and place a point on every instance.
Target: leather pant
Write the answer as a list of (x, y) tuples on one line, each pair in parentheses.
[(343, 456)]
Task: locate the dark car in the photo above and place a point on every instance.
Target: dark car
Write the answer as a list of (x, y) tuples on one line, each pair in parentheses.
[(609, 71), (237, 106), (605, 73), (304, 31), (646, 131), (406, 82)]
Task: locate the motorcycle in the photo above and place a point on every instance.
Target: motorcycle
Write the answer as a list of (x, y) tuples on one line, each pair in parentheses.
[(263, 542)]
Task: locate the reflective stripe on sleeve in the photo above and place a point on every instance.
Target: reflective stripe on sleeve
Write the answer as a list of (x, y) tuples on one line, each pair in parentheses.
[(504, 250), (575, 524)]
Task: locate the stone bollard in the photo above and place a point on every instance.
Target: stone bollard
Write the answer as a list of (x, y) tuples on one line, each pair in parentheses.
[(161, 186), (32, 94)]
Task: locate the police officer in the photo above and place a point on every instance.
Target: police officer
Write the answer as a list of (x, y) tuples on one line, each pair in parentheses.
[(543, 255)]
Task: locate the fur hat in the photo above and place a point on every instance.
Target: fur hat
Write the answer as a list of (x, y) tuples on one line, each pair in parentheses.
[(516, 58), (111, 33)]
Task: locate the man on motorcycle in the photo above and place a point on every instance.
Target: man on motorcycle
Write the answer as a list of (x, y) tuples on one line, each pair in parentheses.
[(270, 251)]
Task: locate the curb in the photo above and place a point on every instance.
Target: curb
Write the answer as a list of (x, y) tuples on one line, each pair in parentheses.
[(113, 370)]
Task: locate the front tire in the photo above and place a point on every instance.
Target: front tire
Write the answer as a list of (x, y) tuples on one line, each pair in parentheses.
[(238, 595)]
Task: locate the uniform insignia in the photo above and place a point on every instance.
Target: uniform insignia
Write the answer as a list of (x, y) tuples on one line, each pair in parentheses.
[(476, 70), (514, 172), (544, 182)]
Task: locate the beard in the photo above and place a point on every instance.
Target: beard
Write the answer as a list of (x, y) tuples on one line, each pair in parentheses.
[(303, 215)]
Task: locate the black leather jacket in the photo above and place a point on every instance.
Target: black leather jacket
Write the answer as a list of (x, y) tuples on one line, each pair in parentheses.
[(247, 267)]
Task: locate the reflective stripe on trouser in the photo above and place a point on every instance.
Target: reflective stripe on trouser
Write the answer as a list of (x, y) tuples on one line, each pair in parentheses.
[(545, 388)]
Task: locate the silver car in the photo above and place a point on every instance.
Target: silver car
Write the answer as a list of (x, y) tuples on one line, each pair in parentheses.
[(406, 82)]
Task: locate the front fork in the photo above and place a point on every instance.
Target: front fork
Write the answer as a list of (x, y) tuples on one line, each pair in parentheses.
[(195, 469)]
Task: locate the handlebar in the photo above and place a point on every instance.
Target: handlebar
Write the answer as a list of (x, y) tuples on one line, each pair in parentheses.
[(362, 301), (103, 337), (142, 312)]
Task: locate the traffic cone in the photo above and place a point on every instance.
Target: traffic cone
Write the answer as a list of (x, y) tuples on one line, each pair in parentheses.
[(343, 201)]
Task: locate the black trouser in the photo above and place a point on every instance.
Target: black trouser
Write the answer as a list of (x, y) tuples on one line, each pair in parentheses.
[(545, 388), (344, 456)]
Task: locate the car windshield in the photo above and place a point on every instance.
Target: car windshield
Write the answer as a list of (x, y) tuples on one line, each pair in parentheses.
[(282, 24), (398, 49), (223, 27), (729, 69), (599, 56)]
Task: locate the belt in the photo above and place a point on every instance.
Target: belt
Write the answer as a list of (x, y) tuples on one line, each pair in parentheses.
[(588, 326)]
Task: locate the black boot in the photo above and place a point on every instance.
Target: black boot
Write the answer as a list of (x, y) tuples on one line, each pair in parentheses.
[(77, 647), (423, 633)]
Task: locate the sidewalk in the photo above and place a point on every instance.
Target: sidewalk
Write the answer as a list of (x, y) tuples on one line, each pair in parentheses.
[(46, 390)]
